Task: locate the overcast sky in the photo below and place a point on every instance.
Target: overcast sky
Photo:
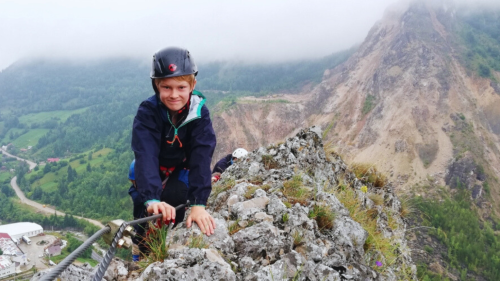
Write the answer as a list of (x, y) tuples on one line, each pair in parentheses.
[(269, 30)]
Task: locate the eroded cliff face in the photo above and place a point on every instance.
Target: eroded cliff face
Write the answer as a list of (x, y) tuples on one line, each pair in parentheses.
[(392, 104)]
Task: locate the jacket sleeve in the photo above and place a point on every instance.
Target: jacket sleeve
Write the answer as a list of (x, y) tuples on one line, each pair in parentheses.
[(221, 165), (202, 146), (146, 136)]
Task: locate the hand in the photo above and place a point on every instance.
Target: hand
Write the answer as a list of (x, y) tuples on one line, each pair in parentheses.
[(202, 218), (215, 177), (162, 207)]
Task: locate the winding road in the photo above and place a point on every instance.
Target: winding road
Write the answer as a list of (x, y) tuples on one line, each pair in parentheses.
[(37, 205)]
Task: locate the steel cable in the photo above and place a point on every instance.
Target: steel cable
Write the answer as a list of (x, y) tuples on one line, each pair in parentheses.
[(72, 257), (103, 266)]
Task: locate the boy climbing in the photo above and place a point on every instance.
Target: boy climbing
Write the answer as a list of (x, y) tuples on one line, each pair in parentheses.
[(173, 141)]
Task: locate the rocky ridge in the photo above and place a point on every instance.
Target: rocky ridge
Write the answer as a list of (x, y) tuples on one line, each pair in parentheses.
[(270, 226), (393, 103)]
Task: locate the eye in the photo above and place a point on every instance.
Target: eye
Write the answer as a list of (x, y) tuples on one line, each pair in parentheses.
[(182, 87)]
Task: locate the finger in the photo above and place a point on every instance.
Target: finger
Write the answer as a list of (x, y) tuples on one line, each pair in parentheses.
[(188, 222), (212, 221), (168, 211), (200, 224), (210, 229), (172, 212)]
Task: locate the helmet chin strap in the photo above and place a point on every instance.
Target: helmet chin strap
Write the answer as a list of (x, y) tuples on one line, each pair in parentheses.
[(186, 107)]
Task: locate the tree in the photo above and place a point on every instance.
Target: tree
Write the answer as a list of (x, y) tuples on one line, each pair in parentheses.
[(71, 174), (46, 168), (89, 169), (484, 70)]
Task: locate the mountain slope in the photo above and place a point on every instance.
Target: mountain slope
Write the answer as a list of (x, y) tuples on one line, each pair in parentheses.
[(405, 102)]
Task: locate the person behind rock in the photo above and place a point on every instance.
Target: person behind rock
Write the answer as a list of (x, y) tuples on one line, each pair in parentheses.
[(227, 161), (173, 141)]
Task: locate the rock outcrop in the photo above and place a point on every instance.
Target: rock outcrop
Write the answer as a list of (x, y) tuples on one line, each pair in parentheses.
[(288, 212), (266, 233)]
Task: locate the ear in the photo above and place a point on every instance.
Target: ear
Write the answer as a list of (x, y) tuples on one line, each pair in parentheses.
[(194, 84)]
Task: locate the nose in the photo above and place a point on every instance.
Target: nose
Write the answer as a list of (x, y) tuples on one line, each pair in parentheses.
[(174, 94)]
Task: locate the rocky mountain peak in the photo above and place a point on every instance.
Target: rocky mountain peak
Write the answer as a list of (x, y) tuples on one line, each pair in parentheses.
[(291, 210)]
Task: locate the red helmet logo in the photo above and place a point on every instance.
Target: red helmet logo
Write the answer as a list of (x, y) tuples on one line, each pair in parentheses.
[(172, 67)]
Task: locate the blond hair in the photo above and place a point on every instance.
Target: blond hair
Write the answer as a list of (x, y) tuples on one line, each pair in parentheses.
[(188, 78)]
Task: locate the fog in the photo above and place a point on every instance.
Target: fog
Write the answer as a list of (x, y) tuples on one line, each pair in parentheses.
[(253, 31)]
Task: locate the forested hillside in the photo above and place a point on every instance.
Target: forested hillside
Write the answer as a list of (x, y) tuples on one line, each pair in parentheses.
[(82, 113), (479, 32)]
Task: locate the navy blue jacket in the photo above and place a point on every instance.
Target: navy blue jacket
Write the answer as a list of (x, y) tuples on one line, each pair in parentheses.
[(152, 129), (223, 164)]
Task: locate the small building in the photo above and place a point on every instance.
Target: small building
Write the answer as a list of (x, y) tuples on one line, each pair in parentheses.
[(9, 246), (18, 229), (23, 150), (53, 250), (52, 160), (10, 249), (6, 267)]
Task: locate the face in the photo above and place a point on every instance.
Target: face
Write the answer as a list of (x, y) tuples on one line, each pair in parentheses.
[(174, 94)]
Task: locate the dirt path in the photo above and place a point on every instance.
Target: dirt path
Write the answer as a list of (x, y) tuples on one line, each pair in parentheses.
[(34, 204)]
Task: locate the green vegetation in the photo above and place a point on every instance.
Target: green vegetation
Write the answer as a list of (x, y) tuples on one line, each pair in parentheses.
[(479, 34), (376, 198), (89, 108), (377, 246), (369, 104), (368, 173), (298, 239), (269, 162), (30, 138), (48, 119), (156, 242), (196, 241), (472, 243), (234, 227), (251, 190), (296, 192), (285, 217), (265, 78), (323, 215), (12, 211), (73, 244)]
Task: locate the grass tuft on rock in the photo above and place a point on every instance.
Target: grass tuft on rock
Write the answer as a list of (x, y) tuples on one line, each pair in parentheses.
[(376, 245), (295, 191), (157, 244), (269, 162), (196, 241), (323, 216), (368, 173), (376, 198)]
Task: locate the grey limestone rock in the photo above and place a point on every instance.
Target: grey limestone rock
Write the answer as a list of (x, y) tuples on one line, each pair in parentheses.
[(262, 236), (259, 241)]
